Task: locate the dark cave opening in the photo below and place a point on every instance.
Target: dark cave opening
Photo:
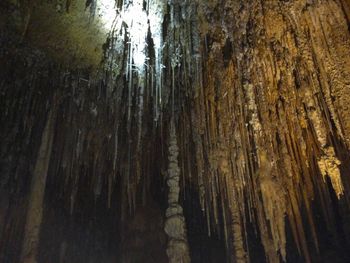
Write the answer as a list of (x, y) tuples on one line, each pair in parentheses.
[(86, 231)]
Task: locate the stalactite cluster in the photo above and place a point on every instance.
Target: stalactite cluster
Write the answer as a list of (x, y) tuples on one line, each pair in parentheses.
[(250, 97), (269, 106)]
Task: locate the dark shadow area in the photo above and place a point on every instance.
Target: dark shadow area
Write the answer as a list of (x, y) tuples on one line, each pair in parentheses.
[(204, 248)]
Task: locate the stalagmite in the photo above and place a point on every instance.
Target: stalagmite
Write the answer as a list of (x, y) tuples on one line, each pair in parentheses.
[(240, 253), (37, 191), (175, 225), (233, 207)]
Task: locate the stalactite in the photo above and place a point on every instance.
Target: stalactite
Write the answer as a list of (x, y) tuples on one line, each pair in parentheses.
[(329, 165)]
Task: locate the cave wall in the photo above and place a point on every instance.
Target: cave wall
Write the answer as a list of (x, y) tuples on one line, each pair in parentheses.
[(258, 94), (269, 119)]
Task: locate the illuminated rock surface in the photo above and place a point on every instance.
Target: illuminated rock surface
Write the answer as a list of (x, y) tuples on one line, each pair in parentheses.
[(174, 131)]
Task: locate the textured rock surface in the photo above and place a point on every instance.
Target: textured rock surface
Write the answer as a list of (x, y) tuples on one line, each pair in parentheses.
[(71, 36), (175, 225), (258, 93), (273, 75)]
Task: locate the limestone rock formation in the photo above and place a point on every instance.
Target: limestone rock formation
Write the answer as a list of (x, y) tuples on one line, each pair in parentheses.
[(231, 117), (175, 226)]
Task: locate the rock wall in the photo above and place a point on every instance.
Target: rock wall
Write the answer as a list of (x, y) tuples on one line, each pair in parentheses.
[(269, 120)]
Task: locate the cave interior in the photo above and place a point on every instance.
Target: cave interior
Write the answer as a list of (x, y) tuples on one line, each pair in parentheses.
[(150, 131)]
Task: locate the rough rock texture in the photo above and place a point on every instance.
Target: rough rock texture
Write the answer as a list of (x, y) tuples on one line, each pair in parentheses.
[(275, 95), (66, 30), (258, 93), (175, 226)]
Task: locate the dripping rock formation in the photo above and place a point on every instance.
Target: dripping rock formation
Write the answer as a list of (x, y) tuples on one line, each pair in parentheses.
[(174, 131)]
